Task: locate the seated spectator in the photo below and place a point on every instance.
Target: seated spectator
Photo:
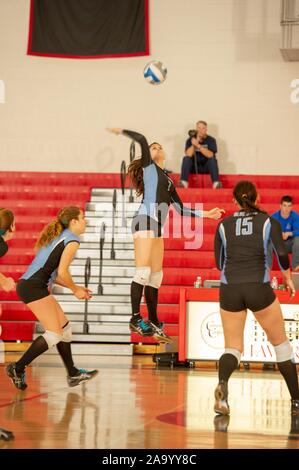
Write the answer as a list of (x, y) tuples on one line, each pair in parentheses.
[(200, 156), (289, 221)]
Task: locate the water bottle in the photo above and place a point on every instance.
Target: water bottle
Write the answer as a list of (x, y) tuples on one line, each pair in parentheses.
[(198, 282), (274, 282)]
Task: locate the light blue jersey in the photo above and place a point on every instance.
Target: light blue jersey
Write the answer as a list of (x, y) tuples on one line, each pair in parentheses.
[(45, 264)]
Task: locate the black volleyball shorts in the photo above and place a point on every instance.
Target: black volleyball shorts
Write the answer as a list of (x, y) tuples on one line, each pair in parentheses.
[(252, 295), (30, 290), (141, 222)]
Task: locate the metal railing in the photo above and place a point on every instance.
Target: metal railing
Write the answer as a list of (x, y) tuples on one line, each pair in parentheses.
[(102, 241), (114, 200), (123, 175), (86, 283)]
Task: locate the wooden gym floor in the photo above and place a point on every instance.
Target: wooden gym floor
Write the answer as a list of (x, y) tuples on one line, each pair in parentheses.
[(133, 405)]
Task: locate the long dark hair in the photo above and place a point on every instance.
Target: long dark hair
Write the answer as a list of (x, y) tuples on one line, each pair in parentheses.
[(245, 194), (54, 228), (135, 172)]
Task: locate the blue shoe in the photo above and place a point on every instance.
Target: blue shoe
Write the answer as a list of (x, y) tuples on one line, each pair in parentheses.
[(141, 327), (17, 378), (82, 376)]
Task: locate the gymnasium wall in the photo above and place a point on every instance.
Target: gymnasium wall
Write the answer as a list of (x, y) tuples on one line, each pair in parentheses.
[(224, 66)]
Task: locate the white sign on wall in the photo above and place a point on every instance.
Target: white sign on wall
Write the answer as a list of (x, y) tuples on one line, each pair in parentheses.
[(2, 92), (205, 341)]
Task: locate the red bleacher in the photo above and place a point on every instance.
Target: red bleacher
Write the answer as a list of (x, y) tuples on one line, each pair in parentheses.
[(36, 197)]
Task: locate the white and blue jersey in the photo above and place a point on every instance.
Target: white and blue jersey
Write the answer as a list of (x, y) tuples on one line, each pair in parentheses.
[(45, 264), (241, 247)]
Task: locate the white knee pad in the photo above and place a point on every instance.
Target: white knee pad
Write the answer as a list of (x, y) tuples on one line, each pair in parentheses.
[(51, 338), (67, 333), (155, 279), (234, 352), (284, 352), (142, 275)]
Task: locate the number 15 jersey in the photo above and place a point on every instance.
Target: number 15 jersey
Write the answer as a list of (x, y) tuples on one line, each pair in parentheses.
[(243, 244)]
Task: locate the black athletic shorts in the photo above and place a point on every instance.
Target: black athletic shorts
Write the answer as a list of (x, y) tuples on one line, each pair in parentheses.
[(252, 295), (30, 290), (142, 222)]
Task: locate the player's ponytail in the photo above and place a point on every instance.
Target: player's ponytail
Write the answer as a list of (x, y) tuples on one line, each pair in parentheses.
[(60, 223), (245, 194)]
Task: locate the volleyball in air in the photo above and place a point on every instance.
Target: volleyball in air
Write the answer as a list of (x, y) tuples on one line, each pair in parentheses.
[(154, 72)]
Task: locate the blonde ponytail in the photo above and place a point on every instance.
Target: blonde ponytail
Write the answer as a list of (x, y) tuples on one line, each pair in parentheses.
[(60, 223), (51, 231)]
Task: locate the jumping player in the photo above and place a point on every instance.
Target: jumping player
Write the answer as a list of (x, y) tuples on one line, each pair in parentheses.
[(152, 182)]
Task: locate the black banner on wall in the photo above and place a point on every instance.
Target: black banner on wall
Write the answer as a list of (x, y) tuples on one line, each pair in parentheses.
[(88, 29)]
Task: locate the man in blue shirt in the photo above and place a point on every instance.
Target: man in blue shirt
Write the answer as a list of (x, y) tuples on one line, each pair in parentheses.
[(289, 221), (200, 156)]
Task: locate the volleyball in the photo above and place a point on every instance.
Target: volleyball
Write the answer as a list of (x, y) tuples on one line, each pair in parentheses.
[(154, 72)]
